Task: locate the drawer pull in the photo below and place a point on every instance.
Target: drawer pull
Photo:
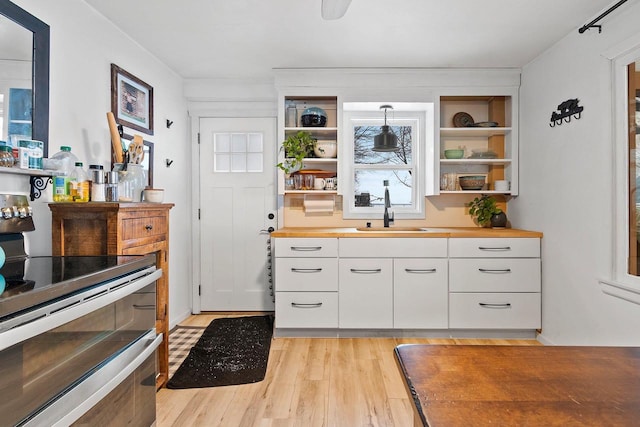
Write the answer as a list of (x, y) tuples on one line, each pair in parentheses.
[(499, 270), (307, 305), (494, 305), (417, 270), (498, 248), (306, 270), (373, 271), (148, 227), (306, 248)]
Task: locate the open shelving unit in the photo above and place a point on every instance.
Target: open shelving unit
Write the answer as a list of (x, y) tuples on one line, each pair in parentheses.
[(500, 140)]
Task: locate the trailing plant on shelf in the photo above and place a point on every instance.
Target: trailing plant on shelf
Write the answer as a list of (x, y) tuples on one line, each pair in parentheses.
[(296, 148), (486, 212)]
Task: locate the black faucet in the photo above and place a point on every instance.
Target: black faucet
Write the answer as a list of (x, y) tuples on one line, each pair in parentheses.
[(387, 204)]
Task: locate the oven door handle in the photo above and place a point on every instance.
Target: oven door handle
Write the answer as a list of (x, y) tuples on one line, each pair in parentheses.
[(97, 385)]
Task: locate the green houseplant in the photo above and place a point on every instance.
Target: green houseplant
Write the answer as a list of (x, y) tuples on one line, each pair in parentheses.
[(296, 148), (486, 212)]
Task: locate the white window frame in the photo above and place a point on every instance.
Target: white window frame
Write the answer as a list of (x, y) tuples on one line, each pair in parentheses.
[(621, 284), (418, 115)]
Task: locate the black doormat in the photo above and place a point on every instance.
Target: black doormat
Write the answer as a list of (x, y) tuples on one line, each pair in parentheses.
[(231, 351)]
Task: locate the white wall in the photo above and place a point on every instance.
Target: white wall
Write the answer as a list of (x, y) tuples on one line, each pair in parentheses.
[(566, 184), (83, 45)]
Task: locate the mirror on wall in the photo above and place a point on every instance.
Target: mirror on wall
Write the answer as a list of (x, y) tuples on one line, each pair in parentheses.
[(24, 76)]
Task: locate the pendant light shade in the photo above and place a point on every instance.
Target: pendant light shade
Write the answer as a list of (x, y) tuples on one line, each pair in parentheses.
[(386, 140)]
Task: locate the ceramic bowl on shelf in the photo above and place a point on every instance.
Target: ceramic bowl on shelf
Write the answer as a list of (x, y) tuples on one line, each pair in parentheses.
[(472, 182), (313, 117), (454, 153), (325, 149)]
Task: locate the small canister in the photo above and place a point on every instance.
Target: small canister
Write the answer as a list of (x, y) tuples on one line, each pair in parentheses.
[(111, 186), (97, 183)]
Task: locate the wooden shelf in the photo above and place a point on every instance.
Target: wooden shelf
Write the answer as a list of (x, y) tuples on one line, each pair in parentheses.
[(475, 161), (470, 132)]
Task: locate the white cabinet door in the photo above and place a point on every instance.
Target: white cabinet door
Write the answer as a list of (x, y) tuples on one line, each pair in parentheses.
[(420, 294), (490, 247), (305, 247), (366, 293)]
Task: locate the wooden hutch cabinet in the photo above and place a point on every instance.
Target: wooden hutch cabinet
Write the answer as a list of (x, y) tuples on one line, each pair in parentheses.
[(98, 228)]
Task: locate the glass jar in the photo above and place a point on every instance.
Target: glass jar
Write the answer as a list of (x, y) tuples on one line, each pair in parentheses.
[(132, 182), (6, 156)]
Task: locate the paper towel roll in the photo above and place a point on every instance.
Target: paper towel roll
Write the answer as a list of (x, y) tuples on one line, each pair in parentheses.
[(318, 206)]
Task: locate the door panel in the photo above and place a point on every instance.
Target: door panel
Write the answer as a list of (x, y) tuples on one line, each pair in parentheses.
[(237, 194)]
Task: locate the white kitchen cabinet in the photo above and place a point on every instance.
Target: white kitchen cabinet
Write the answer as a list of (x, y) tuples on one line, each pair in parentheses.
[(409, 276), (494, 283), (306, 282), (420, 293), (490, 151), (366, 293)]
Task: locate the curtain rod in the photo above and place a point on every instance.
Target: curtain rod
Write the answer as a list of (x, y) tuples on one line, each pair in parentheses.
[(585, 27)]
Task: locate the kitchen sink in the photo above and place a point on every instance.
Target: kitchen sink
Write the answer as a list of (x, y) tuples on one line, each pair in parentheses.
[(392, 229)]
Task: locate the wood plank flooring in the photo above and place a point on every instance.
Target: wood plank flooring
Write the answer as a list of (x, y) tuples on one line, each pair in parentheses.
[(331, 382)]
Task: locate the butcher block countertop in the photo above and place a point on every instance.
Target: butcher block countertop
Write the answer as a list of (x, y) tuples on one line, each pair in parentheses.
[(399, 231)]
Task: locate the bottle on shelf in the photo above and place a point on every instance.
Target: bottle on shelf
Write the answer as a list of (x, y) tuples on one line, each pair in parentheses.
[(79, 184), (6, 157), (65, 162)]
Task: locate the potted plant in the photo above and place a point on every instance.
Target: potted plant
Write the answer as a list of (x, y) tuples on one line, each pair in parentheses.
[(296, 148), (486, 212)]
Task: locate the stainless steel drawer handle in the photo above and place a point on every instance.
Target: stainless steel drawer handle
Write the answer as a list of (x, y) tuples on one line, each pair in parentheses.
[(306, 248), (373, 271), (307, 305), (306, 270), (498, 270), (494, 305), (419, 270), (497, 248)]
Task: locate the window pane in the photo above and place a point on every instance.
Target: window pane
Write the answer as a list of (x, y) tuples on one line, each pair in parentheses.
[(371, 182), (239, 142), (221, 143), (363, 146)]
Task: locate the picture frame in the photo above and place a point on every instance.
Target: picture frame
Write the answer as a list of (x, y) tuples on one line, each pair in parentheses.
[(131, 101)]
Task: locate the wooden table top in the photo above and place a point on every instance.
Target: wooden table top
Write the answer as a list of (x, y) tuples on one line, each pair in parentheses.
[(397, 231), (518, 386)]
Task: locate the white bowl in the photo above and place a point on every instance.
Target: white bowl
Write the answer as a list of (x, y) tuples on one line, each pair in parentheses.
[(325, 149), (154, 195)]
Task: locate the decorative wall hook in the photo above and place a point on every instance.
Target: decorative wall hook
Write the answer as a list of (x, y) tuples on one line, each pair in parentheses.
[(566, 110), (169, 123), (168, 162)]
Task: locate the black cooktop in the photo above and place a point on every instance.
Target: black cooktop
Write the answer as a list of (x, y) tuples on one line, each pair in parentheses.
[(36, 280)]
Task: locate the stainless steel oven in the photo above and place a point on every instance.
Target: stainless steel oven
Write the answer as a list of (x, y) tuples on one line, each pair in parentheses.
[(77, 339)]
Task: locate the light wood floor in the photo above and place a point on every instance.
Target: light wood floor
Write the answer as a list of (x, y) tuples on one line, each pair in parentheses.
[(332, 382)]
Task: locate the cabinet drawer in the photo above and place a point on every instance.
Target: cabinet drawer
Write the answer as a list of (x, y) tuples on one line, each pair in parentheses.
[(306, 274), (137, 228), (306, 309), (494, 248), (393, 247), (305, 248), (494, 311), (494, 275)]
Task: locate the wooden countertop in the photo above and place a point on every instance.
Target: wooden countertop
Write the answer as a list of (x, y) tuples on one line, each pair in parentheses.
[(399, 231), (521, 385)]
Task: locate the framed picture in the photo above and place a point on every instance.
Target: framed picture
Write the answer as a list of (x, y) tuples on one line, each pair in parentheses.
[(131, 101)]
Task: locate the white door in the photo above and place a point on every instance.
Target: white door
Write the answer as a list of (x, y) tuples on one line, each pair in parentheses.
[(237, 207)]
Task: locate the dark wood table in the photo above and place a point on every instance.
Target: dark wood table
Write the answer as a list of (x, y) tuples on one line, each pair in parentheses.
[(521, 385)]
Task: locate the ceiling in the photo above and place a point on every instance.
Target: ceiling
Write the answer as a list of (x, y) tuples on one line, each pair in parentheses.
[(248, 38)]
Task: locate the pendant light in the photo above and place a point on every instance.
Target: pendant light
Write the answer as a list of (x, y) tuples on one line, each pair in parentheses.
[(386, 140)]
